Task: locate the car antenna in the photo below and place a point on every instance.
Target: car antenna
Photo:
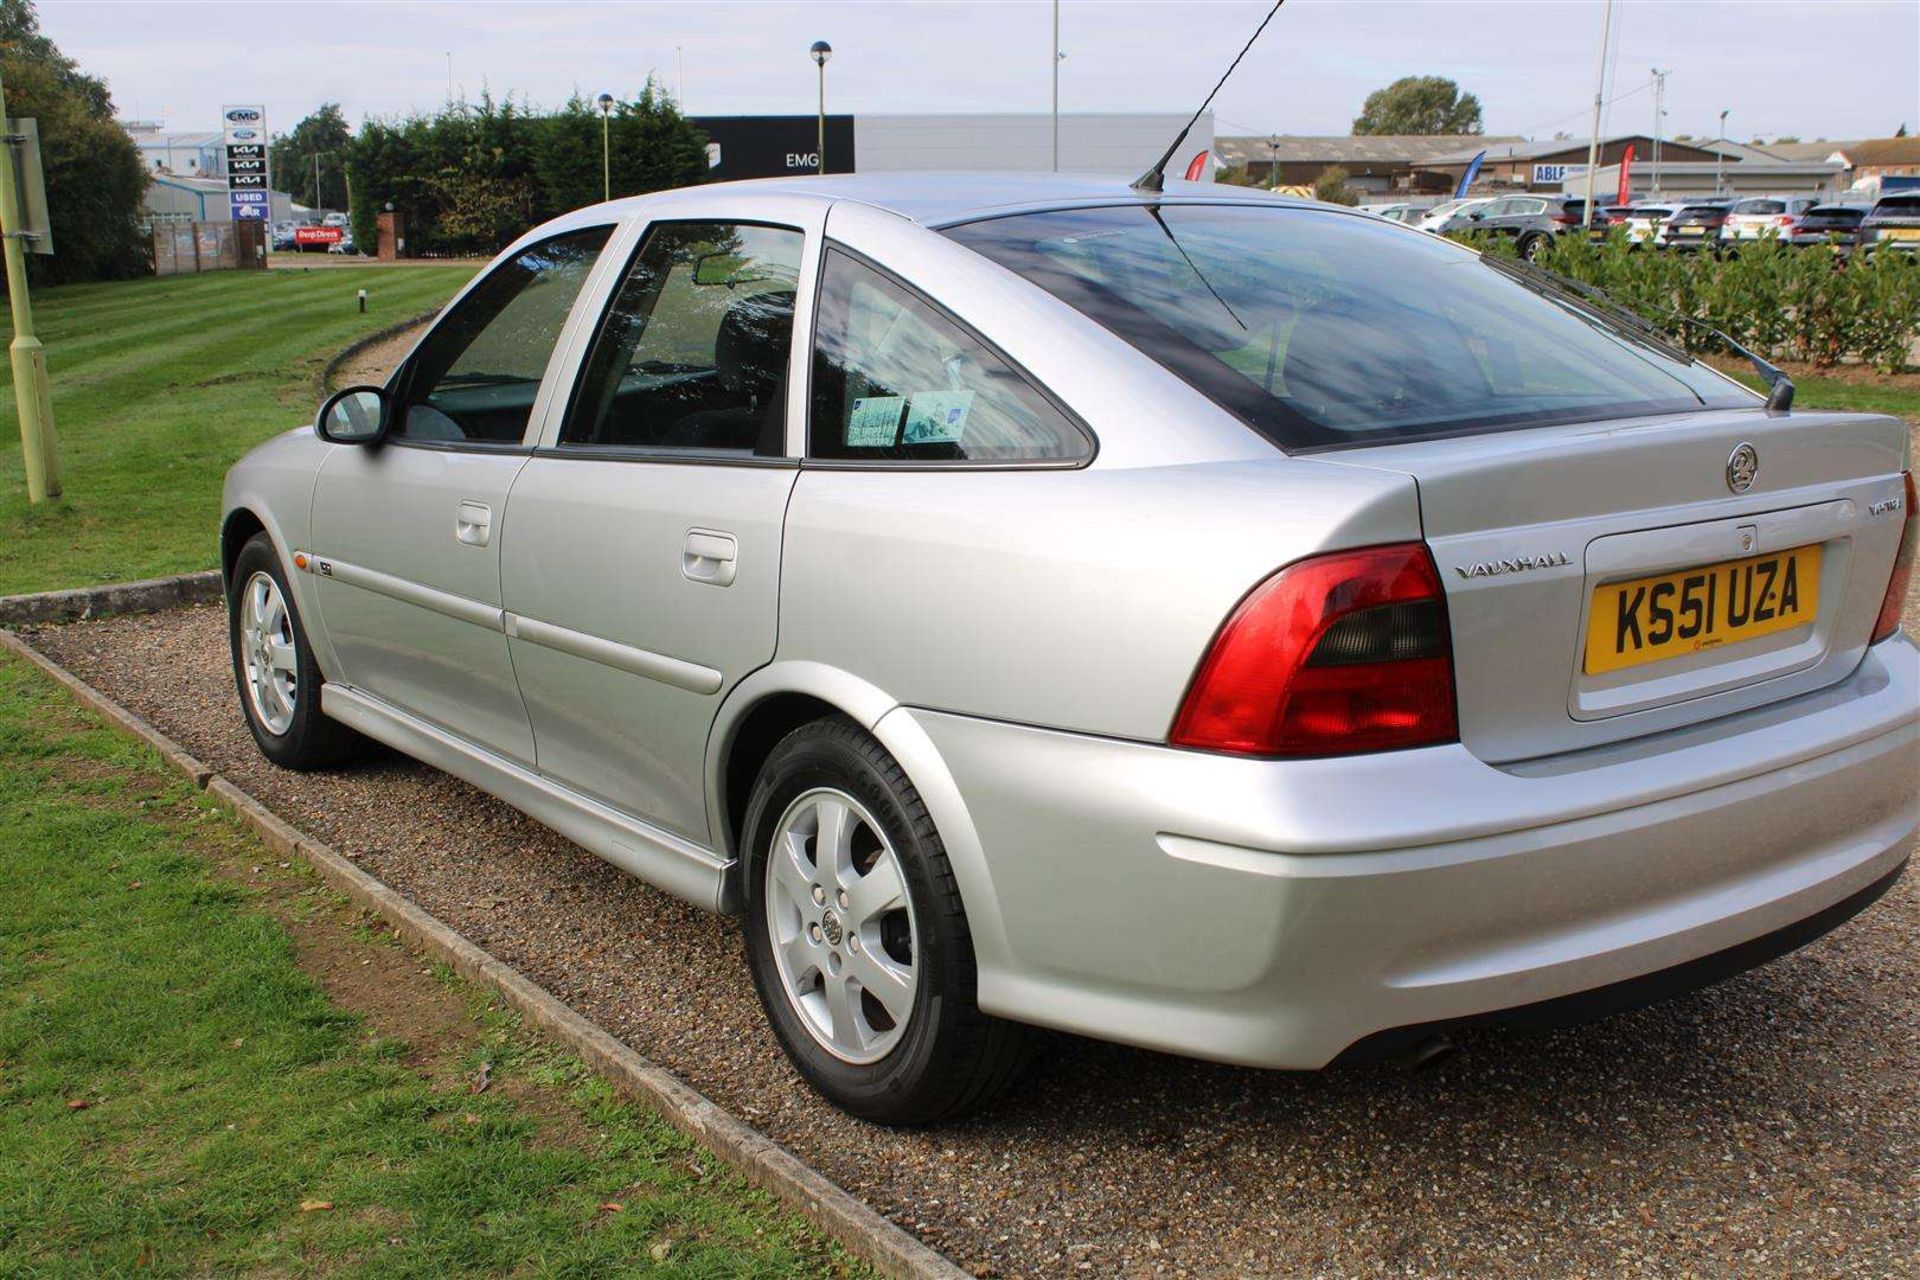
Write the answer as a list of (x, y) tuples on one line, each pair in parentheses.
[(1155, 179)]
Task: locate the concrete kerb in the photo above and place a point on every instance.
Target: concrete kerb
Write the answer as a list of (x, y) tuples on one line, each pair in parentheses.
[(323, 380), (148, 596), (766, 1164)]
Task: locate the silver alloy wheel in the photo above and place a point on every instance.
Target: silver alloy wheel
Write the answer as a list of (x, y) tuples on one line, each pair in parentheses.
[(267, 652), (841, 925)]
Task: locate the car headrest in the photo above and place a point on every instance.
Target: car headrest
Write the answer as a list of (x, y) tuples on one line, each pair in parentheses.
[(750, 351)]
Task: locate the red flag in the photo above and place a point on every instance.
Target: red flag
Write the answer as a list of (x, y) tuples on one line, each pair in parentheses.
[(1198, 167), (1626, 164)]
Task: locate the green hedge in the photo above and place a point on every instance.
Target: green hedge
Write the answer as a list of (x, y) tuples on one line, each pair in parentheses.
[(1811, 304)]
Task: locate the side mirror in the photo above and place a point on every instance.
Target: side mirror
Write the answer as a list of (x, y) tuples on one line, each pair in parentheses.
[(1475, 216), (357, 415)]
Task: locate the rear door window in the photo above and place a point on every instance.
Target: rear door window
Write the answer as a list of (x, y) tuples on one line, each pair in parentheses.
[(895, 380), (693, 353)]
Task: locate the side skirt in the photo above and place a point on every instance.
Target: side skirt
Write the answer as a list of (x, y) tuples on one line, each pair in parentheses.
[(659, 857)]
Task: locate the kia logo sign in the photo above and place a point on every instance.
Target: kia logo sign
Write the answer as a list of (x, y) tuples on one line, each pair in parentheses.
[(243, 115)]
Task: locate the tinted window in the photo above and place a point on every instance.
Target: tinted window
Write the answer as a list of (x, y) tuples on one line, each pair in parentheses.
[(1899, 206), (693, 351), (1760, 206), (895, 380), (1320, 328), (476, 376)]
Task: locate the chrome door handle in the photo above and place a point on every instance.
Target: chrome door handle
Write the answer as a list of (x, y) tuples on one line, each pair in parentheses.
[(473, 524), (709, 556)]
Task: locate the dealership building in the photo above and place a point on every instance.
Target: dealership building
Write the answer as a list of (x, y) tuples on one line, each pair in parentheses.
[(786, 146)]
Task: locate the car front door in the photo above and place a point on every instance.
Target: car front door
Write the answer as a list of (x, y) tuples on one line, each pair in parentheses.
[(406, 533), (641, 565)]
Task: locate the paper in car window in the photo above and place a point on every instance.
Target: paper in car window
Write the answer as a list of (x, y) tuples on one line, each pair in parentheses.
[(875, 423), (937, 417)]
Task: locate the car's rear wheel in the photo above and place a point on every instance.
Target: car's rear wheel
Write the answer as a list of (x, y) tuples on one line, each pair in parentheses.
[(857, 937), (274, 669), (1534, 248)]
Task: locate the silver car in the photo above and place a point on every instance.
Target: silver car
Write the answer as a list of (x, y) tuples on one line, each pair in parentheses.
[(1236, 626)]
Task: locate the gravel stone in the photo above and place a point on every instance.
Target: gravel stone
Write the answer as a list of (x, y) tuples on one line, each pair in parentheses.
[(1763, 1127)]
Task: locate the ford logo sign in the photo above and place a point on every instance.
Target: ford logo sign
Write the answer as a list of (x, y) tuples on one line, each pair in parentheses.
[(243, 115), (246, 133)]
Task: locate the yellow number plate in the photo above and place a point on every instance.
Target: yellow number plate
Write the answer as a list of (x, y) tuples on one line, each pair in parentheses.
[(1650, 619), (1902, 233)]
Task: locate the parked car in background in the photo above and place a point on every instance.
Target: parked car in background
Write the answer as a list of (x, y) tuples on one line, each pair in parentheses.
[(1643, 221), (1392, 212), (344, 244), (1696, 225), (1765, 217), (1532, 221), (1234, 626), (1452, 215), (1893, 223), (336, 220), (1834, 224), (281, 234)]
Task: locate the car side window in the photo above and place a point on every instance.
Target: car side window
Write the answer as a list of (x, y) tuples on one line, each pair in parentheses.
[(894, 380), (1528, 207), (475, 378), (694, 350)]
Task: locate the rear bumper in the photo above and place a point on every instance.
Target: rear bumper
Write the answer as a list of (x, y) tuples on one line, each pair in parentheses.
[(1278, 913)]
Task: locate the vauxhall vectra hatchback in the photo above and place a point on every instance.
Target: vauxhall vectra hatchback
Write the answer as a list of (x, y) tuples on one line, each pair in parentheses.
[(1230, 625)]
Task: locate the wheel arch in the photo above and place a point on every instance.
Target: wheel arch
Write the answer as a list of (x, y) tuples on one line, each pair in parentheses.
[(776, 699)]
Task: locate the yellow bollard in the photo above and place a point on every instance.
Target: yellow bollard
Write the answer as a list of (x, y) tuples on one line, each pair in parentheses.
[(39, 447)]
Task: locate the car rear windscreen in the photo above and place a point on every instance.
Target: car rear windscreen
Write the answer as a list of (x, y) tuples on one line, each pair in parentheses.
[(1321, 329), (1899, 206), (1760, 206)]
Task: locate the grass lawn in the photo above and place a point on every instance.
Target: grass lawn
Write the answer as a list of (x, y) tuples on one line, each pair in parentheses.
[(180, 1094), (158, 385)]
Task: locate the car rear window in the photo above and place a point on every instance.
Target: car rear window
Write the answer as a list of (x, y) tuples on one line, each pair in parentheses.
[(1760, 206), (1834, 214), (1899, 206), (1704, 211), (1321, 329)]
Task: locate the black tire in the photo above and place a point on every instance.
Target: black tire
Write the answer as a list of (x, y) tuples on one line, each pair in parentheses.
[(1534, 248), (950, 1059), (310, 740)]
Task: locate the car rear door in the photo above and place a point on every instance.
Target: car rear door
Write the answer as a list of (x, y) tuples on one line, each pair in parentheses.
[(641, 569), (406, 533)]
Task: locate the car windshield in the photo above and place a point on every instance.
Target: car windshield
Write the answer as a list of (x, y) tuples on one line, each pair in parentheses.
[(1324, 329)]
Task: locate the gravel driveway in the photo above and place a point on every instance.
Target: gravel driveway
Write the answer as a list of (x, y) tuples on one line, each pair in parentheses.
[(1770, 1126)]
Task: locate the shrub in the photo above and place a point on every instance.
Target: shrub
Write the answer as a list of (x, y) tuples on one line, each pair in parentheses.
[(1810, 304)]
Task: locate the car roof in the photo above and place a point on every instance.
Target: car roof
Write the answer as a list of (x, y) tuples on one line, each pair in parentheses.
[(943, 199)]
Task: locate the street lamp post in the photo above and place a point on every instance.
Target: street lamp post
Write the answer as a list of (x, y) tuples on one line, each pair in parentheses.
[(605, 102), (821, 51), (318, 201), (1273, 162), (1720, 154)]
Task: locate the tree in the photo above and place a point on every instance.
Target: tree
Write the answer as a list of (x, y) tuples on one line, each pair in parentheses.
[(650, 145), (1420, 105), (325, 135), (1331, 186), (95, 180)]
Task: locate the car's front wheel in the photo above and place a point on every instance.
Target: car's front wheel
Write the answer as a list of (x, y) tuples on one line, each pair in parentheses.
[(1534, 248), (274, 668), (857, 938)]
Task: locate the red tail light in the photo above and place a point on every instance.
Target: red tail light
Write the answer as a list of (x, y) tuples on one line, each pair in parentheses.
[(1333, 655), (1569, 220), (1902, 580)]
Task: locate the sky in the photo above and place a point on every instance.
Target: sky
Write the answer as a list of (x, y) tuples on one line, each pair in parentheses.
[(1809, 68)]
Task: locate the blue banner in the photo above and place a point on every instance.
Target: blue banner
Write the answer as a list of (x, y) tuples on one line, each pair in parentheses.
[(1466, 179)]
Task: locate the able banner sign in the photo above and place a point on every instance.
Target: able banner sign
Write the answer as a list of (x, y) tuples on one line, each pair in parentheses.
[(244, 131)]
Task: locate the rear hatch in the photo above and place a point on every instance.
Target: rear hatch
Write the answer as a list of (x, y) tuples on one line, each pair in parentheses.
[(1610, 580)]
